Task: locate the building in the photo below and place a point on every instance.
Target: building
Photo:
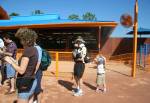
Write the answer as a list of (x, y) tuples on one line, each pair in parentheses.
[(59, 34), (56, 34)]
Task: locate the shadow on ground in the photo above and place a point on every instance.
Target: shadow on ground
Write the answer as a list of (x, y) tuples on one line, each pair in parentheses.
[(118, 72), (89, 86), (68, 85)]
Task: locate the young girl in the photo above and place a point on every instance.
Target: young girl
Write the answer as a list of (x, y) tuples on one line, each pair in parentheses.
[(100, 80)]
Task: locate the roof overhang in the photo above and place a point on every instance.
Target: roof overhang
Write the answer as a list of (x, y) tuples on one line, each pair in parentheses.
[(70, 24)]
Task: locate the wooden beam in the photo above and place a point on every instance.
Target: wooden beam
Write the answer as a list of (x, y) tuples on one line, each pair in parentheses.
[(135, 38), (78, 24)]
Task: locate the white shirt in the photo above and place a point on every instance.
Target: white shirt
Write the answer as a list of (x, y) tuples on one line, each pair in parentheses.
[(82, 49), (39, 52), (1, 43), (100, 67)]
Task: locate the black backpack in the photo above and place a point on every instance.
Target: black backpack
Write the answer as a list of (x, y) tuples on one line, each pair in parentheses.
[(45, 60), (87, 58)]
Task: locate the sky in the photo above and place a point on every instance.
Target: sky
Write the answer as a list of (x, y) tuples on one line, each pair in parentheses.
[(105, 10)]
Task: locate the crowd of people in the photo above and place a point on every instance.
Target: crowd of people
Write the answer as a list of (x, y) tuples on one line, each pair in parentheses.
[(26, 75), (26, 70)]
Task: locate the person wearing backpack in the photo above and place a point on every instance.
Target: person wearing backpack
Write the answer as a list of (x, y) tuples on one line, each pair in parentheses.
[(39, 74), (26, 66), (100, 60), (36, 98), (44, 60), (79, 54)]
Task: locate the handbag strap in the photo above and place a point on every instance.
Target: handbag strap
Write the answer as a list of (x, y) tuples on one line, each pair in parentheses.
[(37, 68)]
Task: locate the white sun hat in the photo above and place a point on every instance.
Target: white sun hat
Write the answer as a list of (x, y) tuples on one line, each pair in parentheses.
[(79, 38)]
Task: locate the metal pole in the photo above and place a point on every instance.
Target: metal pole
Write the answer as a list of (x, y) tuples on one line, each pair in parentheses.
[(135, 38)]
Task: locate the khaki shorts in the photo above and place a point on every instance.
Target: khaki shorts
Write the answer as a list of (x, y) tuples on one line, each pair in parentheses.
[(100, 79)]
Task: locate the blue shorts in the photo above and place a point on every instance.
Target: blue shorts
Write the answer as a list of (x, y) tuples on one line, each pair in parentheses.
[(10, 71), (27, 95), (38, 88)]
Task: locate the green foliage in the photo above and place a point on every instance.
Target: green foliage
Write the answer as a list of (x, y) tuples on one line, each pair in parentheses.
[(89, 16), (14, 14), (73, 17)]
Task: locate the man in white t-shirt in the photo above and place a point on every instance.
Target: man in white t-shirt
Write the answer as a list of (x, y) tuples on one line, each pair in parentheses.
[(100, 80)]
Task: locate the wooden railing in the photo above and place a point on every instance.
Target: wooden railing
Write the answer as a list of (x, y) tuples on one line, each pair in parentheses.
[(122, 57)]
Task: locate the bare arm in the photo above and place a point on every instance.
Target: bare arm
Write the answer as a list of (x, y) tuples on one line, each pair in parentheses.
[(23, 66), (95, 60), (5, 53)]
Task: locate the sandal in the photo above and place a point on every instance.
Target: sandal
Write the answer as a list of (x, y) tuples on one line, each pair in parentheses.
[(10, 92)]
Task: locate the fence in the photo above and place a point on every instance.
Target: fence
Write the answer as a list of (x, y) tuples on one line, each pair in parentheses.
[(144, 56), (62, 62)]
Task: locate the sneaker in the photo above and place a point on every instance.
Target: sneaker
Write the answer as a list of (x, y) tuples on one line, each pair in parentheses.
[(97, 90), (75, 90), (80, 91), (77, 94), (35, 101), (104, 90)]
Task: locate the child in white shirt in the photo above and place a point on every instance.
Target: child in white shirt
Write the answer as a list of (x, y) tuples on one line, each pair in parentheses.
[(100, 60)]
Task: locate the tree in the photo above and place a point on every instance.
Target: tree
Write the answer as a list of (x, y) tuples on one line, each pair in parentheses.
[(89, 16), (36, 12), (14, 14), (73, 17)]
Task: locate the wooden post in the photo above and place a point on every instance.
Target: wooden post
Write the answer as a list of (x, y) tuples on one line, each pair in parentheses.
[(135, 38), (57, 65)]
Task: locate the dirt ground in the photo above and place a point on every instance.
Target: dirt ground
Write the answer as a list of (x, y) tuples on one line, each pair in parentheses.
[(121, 88)]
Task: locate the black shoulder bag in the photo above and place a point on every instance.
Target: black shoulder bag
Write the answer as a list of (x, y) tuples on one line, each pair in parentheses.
[(24, 84)]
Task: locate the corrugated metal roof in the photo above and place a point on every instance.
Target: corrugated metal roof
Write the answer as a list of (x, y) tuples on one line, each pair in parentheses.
[(40, 19), (35, 17)]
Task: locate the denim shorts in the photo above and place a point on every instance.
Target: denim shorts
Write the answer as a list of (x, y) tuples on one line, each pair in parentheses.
[(10, 71), (27, 95), (38, 88)]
